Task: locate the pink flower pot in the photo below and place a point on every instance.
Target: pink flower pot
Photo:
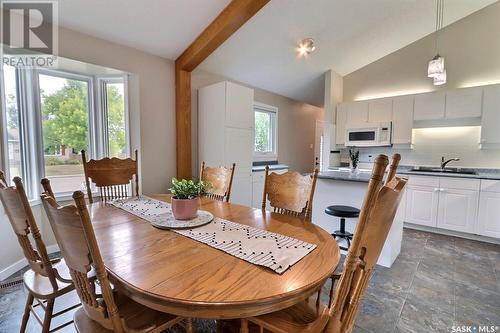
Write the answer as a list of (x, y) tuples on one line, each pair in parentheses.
[(184, 209)]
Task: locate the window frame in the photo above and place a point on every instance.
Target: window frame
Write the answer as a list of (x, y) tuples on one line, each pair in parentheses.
[(30, 127), (273, 111)]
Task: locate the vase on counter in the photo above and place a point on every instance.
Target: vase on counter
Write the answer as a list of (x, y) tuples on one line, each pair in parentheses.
[(354, 160)]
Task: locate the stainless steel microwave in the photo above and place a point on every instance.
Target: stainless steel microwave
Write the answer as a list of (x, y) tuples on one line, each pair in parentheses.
[(369, 135)]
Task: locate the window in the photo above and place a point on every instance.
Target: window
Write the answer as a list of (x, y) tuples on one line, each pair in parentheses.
[(64, 103), (265, 132), (12, 122), (49, 116)]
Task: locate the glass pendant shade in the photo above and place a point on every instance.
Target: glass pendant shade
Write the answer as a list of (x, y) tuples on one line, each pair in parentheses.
[(436, 66), (440, 78)]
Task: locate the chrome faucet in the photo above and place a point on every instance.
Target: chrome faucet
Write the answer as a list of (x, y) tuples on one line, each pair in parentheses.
[(444, 163)]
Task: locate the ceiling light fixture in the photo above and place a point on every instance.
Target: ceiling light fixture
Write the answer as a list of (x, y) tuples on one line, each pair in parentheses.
[(306, 46), (436, 69)]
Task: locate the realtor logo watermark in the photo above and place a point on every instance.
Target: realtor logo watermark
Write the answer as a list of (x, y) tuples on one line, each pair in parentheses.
[(475, 329), (29, 33)]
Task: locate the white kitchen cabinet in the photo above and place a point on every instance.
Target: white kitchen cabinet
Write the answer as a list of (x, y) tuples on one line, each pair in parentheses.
[(238, 142), (457, 209), (340, 124), (402, 119), (429, 106), (238, 98), (225, 127), (380, 110), (422, 205), (490, 120), (357, 113), (489, 214), (489, 209), (241, 190), (464, 103)]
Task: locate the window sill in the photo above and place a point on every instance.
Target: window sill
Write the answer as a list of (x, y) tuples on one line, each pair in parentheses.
[(265, 157)]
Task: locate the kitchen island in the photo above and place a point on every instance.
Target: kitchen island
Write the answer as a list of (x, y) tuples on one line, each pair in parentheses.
[(341, 187)]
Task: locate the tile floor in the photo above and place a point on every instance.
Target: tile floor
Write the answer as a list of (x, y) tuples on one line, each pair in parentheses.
[(436, 282)]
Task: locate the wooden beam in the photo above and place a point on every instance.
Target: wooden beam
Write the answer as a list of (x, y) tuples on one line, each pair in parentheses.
[(225, 24)]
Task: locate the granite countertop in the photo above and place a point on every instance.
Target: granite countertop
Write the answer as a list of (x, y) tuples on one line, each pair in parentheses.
[(364, 174), (257, 168)]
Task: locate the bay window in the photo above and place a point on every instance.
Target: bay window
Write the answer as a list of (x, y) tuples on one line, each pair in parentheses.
[(49, 116)]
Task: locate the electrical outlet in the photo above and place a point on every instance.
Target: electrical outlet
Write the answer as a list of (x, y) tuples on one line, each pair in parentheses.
[(370, 158)]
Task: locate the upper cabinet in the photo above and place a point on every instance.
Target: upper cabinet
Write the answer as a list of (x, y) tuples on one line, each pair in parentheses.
[(402, 119), (430, 106), (357, 112), (239, 104), (490, 121), (380, 110), (464, 103)]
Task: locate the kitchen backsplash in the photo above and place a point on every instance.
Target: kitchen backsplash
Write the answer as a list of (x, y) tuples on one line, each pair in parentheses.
[(429, 144)]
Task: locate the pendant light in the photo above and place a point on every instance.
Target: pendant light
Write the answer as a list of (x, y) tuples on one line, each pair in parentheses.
[(436, 69)]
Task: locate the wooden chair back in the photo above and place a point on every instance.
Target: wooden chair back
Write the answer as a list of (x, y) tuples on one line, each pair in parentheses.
[(20, 215), (375, 220), (290, 193), (114, 177), (221, 180), (76, 238)]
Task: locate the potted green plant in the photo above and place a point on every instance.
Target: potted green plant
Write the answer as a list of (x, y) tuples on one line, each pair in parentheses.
[(185, 194)]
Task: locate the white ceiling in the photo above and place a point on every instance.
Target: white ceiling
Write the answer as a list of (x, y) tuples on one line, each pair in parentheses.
[(161, 27), (349, 34)]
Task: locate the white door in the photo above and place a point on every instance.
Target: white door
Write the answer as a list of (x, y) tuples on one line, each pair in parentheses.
[(422, 205), (239, 106), (491, 115), (489, 215), (429, 106), (464, 103), (402, 119), (380, 110), (340, 124), (457, 209)]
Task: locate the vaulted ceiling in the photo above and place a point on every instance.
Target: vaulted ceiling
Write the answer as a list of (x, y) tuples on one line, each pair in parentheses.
[(349, 34)]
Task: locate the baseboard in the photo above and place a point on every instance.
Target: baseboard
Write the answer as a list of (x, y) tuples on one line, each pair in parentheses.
[(452, 233), (11, 269)]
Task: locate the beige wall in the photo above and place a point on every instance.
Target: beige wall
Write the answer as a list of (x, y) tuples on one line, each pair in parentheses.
[(471, 48), (296, 123)]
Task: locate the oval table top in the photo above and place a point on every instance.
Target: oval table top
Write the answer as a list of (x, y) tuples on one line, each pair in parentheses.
[(175, 274)]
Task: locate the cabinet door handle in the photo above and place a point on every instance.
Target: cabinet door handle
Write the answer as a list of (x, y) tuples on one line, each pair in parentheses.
[(436, 189), (441, 190)]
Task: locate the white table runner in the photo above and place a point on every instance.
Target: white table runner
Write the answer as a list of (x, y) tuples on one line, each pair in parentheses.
[(260, 247)]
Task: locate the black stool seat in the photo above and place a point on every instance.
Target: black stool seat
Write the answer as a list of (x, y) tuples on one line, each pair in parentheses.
[(342, 211)]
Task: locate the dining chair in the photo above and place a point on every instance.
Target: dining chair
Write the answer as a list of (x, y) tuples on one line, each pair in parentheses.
[(109, 310), (220, 179), (290, 193), (46, 280), (377, 214), (115, 178)]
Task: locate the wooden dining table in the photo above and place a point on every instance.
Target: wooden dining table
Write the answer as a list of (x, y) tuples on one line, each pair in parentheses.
[(172, 273)]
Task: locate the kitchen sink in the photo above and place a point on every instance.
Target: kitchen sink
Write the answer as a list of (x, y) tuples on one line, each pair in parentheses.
[(458, 171)]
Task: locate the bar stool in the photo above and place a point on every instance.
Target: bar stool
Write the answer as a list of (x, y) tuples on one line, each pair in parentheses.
[(343, 212)]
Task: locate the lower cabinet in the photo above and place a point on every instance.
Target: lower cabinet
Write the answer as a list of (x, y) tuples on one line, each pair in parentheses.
[(452, 204), (422, 205), (457, 209), (489, 214)]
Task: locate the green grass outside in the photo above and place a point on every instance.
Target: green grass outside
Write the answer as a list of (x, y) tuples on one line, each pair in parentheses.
[(63, 170)]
